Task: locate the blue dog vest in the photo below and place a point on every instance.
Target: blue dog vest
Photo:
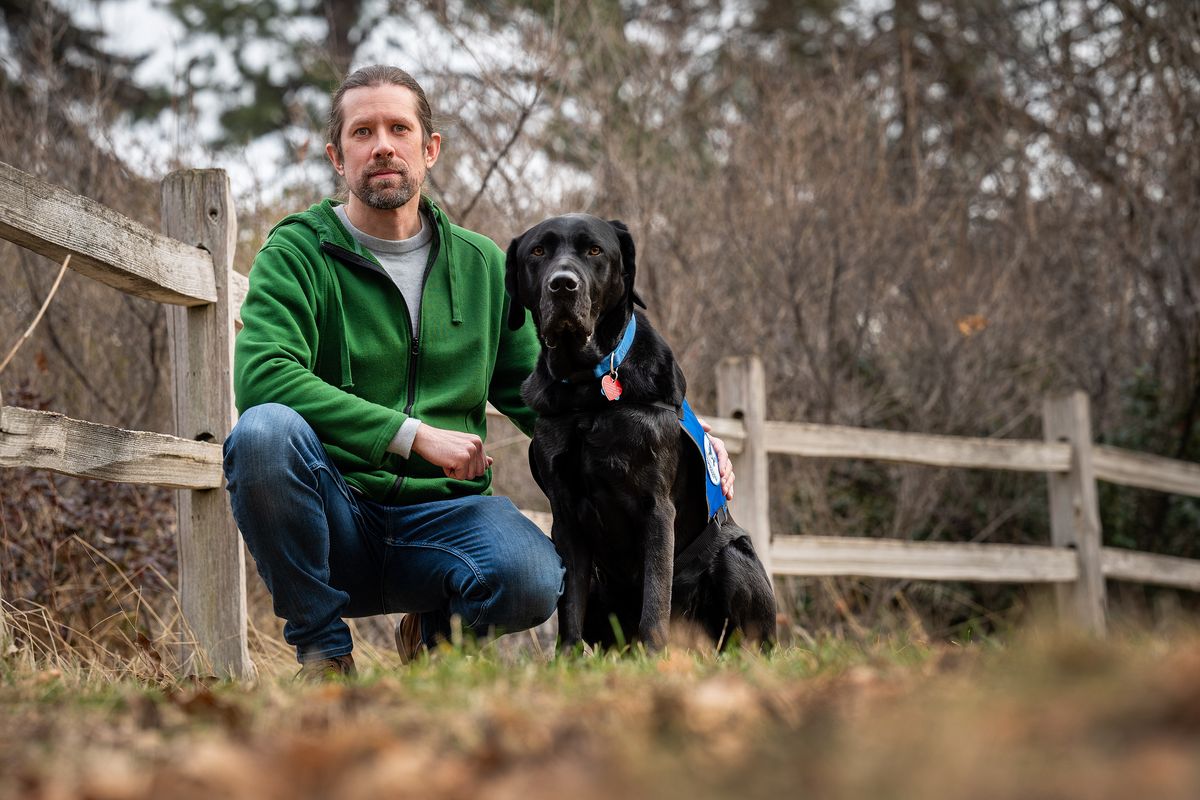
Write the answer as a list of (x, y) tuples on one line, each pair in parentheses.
[(712, 471), (687, 420), (696, 559)]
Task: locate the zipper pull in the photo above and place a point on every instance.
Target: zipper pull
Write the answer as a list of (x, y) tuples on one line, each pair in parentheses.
[(416, 346)]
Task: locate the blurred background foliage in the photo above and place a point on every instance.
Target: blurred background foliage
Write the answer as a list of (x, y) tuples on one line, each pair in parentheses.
[(924, 215)]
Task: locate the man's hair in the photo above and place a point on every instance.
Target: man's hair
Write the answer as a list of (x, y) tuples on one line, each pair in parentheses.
[(376, 75)]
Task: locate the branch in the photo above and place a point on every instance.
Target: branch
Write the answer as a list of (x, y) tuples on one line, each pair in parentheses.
[(38, 317), (526, 111)]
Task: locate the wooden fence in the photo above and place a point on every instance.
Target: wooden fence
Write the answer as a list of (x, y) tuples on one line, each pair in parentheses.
[(1075, 561), (190, 268)]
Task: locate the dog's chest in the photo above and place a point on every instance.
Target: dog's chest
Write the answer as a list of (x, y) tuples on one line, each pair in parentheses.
[(615, 461)]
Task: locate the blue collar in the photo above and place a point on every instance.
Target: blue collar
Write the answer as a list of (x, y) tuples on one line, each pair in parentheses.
[(613, 360)]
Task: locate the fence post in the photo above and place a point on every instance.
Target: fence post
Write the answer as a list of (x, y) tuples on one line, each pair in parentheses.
[(1075, 511), (4, 635), (742, 394), (197, 208)]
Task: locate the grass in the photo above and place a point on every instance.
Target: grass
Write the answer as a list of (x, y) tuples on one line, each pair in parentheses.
[(1044, 715)]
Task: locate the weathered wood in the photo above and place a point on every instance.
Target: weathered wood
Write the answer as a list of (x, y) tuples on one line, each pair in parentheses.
[(742, 395), (197, 208), (1075, 511), (104, 245), (836, 441), (1146, 471), (45, 440), (1130, 565), (4, 632), (935, 561)]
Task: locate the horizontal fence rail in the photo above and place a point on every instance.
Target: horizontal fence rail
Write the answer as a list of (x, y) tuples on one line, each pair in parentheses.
[(1130, 565), (836, 441), (45, 440), (931, 561), (103, 244), (1145, 471), (106, 245)]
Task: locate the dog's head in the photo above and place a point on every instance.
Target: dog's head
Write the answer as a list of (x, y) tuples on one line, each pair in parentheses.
[(571, 272)]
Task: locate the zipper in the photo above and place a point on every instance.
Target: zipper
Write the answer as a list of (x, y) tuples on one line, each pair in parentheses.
[(414, 349)]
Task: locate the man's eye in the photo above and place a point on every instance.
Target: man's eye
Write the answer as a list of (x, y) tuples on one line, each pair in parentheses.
[(399, 128), (538, 251), (594, 251), (361, 131)]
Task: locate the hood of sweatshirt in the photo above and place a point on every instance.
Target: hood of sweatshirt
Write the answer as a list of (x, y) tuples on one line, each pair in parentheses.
[(340, 244)]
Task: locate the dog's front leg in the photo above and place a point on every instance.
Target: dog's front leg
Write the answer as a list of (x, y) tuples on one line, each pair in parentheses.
[(660, 572), (572, 605)]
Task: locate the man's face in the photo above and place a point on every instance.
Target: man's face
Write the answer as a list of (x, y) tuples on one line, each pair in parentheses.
[(385, 156)]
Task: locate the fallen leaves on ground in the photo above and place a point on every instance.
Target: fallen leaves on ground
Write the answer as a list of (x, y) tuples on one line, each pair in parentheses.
[(1036, 718)]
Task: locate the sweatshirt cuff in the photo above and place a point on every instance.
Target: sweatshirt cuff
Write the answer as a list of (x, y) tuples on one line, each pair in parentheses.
[(402, 442)]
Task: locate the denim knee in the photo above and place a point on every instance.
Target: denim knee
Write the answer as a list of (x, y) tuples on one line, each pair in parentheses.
[(263, 442), (525, 593)]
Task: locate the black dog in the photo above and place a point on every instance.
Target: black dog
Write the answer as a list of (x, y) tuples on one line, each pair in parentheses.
[(639, 519)]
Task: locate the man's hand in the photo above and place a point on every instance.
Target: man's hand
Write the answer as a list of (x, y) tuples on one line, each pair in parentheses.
[(723, 462), (460, 455)]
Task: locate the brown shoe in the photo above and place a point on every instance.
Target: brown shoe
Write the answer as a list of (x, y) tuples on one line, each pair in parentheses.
[(327, 669), (408, 638)]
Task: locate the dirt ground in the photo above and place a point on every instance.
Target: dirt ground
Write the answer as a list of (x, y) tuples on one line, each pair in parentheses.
[(1039, 717)]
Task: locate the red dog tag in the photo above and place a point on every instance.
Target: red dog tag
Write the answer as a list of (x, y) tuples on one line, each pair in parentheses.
[(611, 387)]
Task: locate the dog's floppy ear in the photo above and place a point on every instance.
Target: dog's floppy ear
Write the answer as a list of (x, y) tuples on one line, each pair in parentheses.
[(628, 261), (512, 285)]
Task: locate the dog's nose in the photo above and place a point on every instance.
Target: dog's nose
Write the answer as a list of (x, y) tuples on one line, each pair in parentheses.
[(564, 281)]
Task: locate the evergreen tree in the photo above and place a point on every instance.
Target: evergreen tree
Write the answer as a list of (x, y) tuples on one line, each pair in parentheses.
[(287, 55), (47, 50)]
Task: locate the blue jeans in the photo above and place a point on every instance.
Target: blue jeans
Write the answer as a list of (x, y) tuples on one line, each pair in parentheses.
[(327, 552)]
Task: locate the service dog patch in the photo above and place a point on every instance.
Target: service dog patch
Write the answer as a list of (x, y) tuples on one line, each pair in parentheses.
[(704, 448)]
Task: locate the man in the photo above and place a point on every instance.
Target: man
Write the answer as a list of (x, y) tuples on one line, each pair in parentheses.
[(374, 336)]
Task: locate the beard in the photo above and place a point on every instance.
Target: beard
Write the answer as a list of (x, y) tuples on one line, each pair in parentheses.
[(389, 193)]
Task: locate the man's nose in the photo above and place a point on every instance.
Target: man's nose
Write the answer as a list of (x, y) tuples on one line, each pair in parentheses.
[(384, 147), (564, 281)]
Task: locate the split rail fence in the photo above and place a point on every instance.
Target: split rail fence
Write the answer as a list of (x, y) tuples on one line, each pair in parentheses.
[(189, 267)]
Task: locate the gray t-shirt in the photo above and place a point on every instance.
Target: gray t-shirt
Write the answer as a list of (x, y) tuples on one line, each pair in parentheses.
[(404, 260)]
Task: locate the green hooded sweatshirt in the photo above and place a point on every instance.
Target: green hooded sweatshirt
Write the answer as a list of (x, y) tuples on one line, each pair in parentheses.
[(328, 334)]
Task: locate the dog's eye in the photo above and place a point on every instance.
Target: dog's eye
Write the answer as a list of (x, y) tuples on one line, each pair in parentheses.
[(594, 251), (538, 251)]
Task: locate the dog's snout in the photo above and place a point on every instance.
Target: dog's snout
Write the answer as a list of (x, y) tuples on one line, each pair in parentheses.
[(563, 281)]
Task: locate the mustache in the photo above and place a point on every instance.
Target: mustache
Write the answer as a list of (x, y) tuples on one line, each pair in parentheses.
[(389, 167)]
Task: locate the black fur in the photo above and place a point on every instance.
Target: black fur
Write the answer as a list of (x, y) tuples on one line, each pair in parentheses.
[(624, 482)]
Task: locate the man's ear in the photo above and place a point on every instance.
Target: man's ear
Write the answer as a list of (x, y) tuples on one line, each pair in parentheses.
[(512, 285), (332, 154), (628, 262)]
